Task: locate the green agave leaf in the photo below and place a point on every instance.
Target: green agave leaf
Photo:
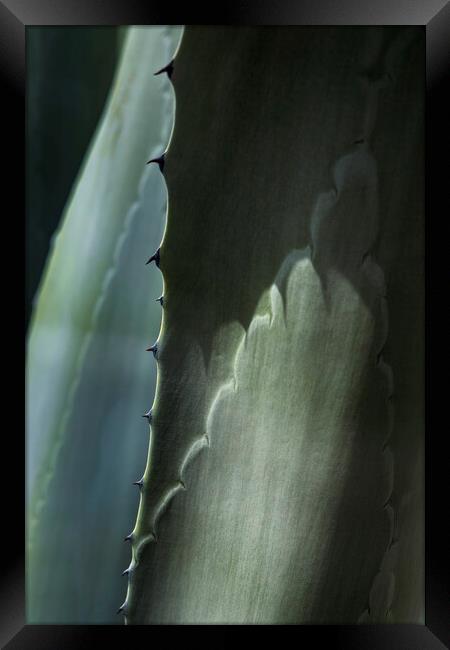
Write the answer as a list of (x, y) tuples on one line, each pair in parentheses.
[(89, 379), (284, 479)]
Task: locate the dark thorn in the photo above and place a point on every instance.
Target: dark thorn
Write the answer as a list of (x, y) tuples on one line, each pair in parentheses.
[(160, 162), (128, 538), (359, 141), (153, 348), (125, 572), (167, 68), (160, 300), (148, 415), (379, 355), (154, 258), (140, 483)]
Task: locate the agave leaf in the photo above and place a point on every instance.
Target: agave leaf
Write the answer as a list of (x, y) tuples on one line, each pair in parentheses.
[(89, 379), (284, 469)]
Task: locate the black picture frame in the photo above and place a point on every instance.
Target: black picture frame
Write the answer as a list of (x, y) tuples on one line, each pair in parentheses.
[(434, 16)]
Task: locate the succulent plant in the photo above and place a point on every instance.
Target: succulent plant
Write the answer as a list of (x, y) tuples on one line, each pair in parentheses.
[(284, 474)]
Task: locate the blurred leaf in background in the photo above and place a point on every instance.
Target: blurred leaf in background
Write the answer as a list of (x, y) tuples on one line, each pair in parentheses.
[(69, 74), (89, 379)]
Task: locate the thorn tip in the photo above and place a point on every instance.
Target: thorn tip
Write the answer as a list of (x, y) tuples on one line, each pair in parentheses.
[(148, 415), (159, 160), (154, 258), (154, 349), (167, 68)]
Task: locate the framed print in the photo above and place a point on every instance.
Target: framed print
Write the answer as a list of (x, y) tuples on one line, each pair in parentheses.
[(228, 221)]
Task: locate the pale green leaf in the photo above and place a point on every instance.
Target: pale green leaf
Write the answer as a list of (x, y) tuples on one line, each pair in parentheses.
[(89, 379)]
